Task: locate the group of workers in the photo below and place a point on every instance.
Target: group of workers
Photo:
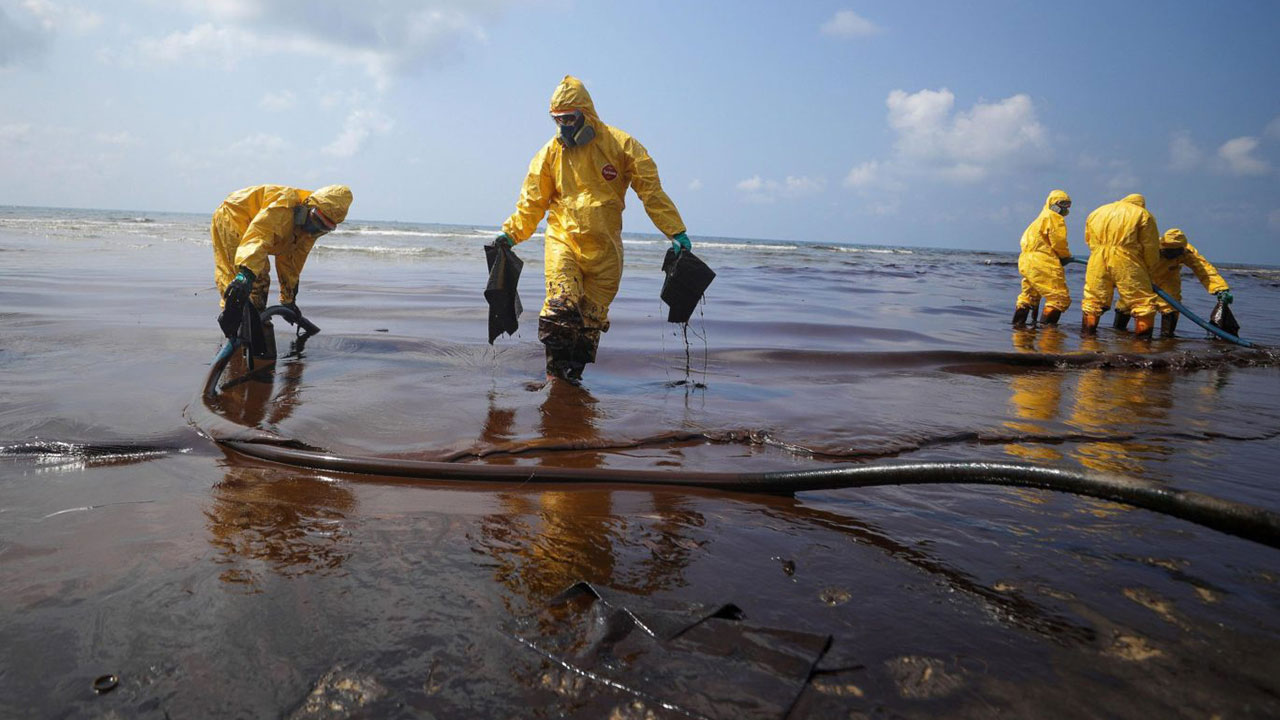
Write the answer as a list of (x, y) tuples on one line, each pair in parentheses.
[(578, 180), (1127, 256)]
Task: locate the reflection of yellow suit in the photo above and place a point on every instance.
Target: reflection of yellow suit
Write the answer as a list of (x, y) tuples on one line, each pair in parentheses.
[(1124, 245), (1112, 401), (1035, 396), (582, 192), (1044, 244), (257, 221)]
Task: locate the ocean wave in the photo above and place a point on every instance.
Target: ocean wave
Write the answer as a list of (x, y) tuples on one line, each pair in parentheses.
[(409, 233), (744, 245), (379, 250)]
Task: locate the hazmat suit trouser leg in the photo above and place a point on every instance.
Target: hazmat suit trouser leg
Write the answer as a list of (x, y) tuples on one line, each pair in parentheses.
[(1113, 270), (576, 310), (1043, 277), (226, 240)]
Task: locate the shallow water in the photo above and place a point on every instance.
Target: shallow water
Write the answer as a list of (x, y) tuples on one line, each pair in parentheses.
[(212, 584)]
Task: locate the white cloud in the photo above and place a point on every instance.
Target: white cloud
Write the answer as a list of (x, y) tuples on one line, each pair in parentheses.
[(278, 100), (55, 17), (968, 145), (19, 41), (1237, 157), (1273, 129), (1184, 154), (847, 23), (259, 145), (359, 126), (761, 190), (384, 38), (1122, 181), (15, 133), (862, 176), (695, 184), (122, 138)]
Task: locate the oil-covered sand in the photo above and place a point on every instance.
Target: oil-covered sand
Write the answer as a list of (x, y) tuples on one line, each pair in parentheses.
[(213, 585)]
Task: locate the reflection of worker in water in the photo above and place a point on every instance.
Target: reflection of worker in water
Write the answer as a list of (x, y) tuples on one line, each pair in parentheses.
[(1124, 246), (1115, 402), (1044, 253), (1035, 396), (1175, 252), (264, 220), (580, 177)]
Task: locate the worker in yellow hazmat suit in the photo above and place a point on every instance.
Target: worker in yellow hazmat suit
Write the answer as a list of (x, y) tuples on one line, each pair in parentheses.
[(1175, 252), (579, 179), (264, 220), (1124, 246), (1044, 253)]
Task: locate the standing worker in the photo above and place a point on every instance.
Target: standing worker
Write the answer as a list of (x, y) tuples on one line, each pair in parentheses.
[(580, 177), (268, 220), (1124, 246), (1044, 253), (1175, 252)]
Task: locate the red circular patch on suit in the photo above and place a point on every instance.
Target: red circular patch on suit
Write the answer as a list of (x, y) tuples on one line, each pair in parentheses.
[(609, 172)]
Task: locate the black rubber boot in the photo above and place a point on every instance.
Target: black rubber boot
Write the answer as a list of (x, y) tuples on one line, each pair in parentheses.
[(1020, 315), (1121, 321), (1168, 323)]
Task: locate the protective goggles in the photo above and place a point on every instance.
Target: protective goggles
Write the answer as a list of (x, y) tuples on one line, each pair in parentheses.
[(567, 119), (315, 222)]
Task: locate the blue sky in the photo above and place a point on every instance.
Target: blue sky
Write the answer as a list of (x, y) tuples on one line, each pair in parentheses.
[(939, 124)]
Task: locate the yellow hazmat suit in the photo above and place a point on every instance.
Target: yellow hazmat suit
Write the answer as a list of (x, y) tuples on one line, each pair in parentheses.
[(258, 221), (581, 190), (1044, 245), (1167, 274), (1124, 245)]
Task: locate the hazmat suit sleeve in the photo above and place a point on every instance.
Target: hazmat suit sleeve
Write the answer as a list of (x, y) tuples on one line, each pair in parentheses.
[(289, 267), (1055, 233), (644, 180), (269, 227), (1205, 272), (536, 194)]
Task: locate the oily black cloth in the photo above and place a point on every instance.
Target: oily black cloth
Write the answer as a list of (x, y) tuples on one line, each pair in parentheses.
[(687, 278), (504, 301)]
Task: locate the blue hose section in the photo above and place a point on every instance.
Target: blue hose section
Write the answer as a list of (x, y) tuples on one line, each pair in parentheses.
[(1183, 309)]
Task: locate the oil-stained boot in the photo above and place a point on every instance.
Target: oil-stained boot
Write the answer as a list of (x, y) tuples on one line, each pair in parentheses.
[(1168, 323), (1089, 324), (1143, 325), (1051, 316), (1020, 315), (1121, 321)]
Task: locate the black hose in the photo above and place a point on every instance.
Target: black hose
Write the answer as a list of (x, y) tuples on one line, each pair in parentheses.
[(1245, 521)]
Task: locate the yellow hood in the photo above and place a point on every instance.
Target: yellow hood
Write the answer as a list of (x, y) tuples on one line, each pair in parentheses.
[(332, 200), (1056, 196), (1173, 238), (1135, 199), (571, 94)]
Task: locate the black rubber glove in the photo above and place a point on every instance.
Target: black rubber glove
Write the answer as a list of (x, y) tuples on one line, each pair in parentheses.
[(234, 298)]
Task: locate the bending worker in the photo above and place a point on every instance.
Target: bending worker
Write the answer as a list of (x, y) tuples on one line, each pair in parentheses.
[(1175, 252), (268, 220), (1044, 253), (581, 178), (1124, 246)]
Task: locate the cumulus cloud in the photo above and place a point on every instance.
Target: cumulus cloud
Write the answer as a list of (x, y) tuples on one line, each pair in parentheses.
[(384, 38), (359, 126), (695, 184), (761, 190), (1237, 157), (259, 145), (847, 23), (57, 17), (961, 146), (1184, 154)]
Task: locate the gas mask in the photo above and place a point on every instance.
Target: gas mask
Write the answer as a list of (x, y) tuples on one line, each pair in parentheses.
[(1171, 253), (1061, 208), (574, 130), (311, 221)]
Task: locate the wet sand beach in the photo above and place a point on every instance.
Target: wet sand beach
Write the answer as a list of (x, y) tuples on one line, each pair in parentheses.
[(211, 584)]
